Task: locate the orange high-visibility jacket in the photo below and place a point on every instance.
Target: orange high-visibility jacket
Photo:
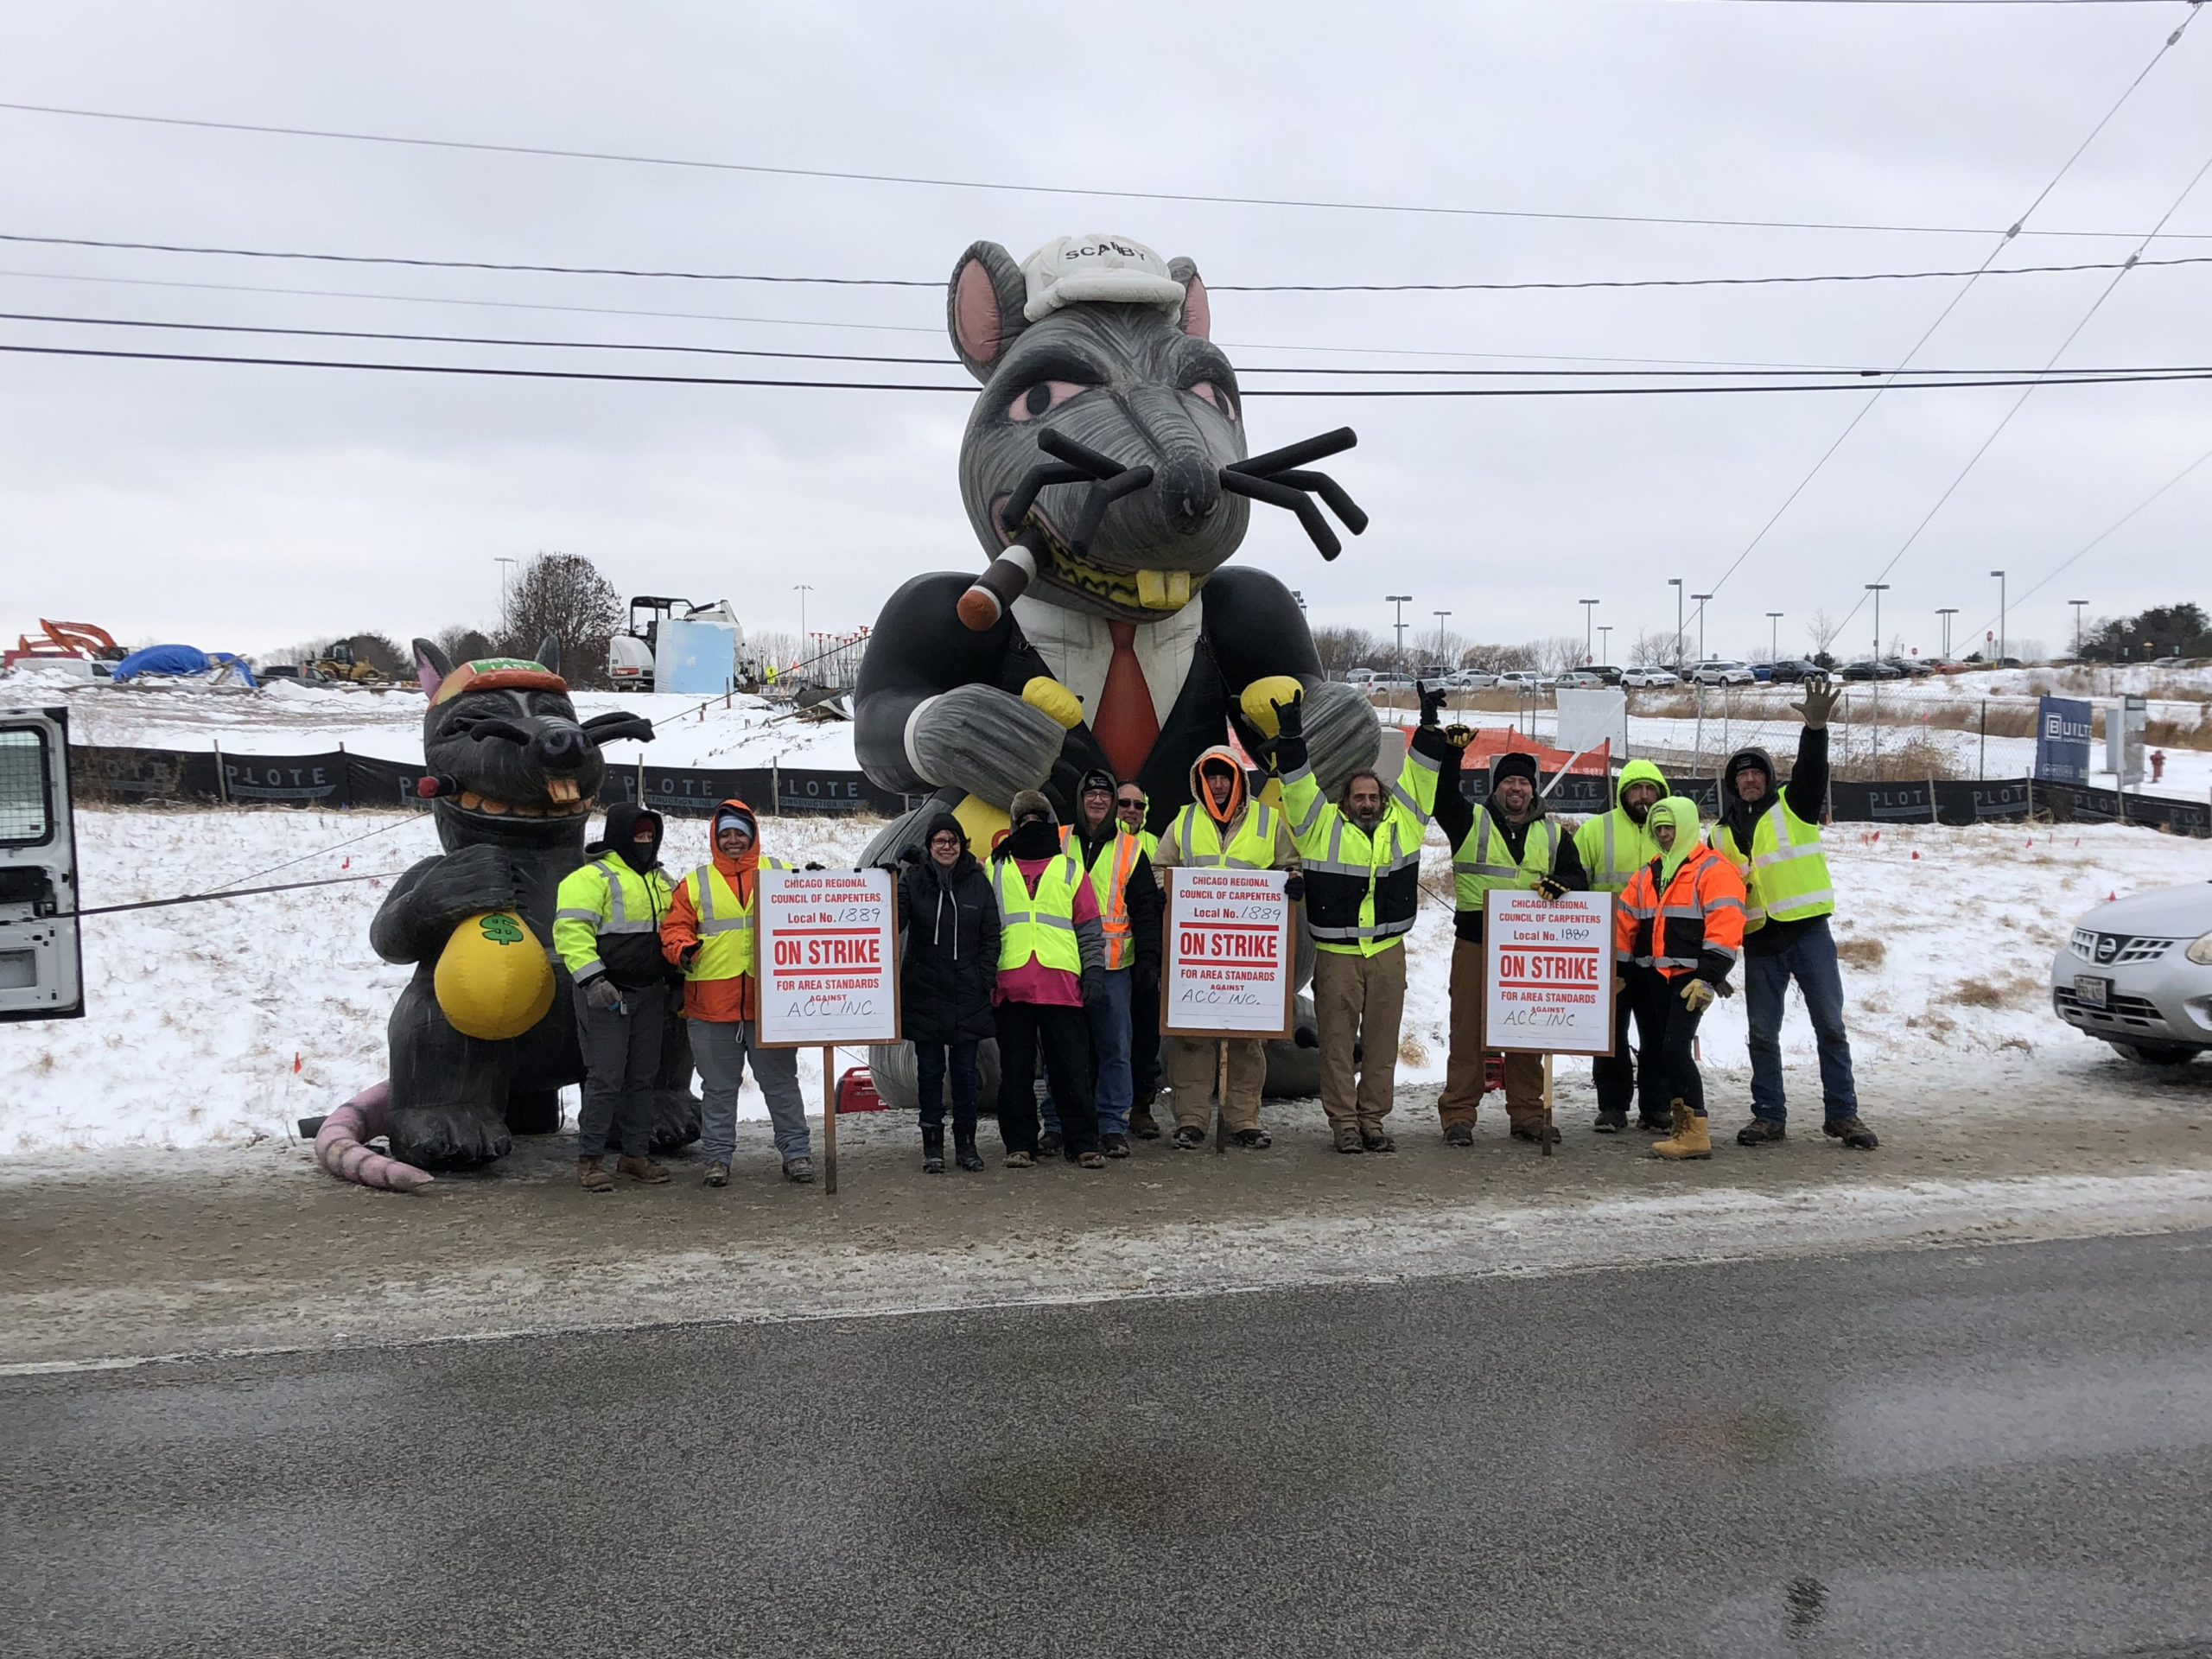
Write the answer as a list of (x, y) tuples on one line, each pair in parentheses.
[(1695, 922)]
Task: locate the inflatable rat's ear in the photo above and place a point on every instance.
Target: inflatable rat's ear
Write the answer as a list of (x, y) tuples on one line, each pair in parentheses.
[(430, 667), (984, 307), (549, 654), (1198, 314)]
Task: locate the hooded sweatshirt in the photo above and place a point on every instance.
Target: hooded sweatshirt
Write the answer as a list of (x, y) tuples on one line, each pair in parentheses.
[(1228, 817), (1632, 845), (631, 960), (723, 1000), (1029, 848), (1807, 791), (1142, 893), (1685, 906)]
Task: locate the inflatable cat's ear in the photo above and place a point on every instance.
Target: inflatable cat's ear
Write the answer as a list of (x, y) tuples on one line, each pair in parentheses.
[(983, 308)]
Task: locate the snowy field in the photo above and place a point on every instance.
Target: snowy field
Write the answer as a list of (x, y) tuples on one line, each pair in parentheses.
[(219, 1024)]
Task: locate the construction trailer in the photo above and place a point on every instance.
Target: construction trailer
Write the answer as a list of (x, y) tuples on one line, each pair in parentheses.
[(672, 644)]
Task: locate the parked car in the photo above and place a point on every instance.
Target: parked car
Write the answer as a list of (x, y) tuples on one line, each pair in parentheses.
[(1794, 670), (1868, 668), (298, 672), (1605, 672), (1721, 670), (1582, 678), (1470, 679), (1525, 678), (1650, 676), (2136, 972), (1912, 667)]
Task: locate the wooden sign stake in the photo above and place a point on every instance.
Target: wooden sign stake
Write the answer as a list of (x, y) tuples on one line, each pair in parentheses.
[(1221, 1099), (830, 1122), (1545, 1134)]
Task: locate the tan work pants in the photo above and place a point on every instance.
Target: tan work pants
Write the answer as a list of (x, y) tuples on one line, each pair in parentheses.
[(1358, 1000), (1463, 1073), (1191, 1070)]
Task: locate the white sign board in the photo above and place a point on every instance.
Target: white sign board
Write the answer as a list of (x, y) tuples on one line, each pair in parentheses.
[(1547, 972), (1589, 718), (1230, 961), (828, 957)]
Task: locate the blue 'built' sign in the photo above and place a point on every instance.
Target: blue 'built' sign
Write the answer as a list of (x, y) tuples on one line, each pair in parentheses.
[(2062, 726)]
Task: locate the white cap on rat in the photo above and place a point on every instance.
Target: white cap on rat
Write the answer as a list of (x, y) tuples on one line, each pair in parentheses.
[(1069, 269)]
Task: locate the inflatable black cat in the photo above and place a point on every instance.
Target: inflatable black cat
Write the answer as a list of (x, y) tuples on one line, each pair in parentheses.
[(1105, 470)]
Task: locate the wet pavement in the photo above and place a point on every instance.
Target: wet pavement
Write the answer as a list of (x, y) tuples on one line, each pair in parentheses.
[(1999, 1450)]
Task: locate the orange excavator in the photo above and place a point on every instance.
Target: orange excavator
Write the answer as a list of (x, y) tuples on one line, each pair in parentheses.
[(87, 641)]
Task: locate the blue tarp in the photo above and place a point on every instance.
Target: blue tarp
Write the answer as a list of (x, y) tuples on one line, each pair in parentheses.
[(181, 659)]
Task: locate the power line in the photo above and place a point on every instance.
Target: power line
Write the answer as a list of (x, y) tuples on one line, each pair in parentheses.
[(951, 363), (2070, 377), (1951, 305), (764, 169), (2019, 403), (426, 263)]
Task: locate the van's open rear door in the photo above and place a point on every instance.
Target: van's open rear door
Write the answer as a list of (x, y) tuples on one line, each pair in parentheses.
[(42, 968)]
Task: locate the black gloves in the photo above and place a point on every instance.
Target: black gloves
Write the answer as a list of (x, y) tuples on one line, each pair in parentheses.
[(1290, 718), (687, 955), (1294, 887), (1094, 987), (810, 865), (909, 855), (1550, 890), (1431, 701)]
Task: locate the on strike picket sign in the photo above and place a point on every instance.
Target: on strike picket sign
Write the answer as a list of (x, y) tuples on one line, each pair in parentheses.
[(828, 956), (1548, 965), (1229, 960)]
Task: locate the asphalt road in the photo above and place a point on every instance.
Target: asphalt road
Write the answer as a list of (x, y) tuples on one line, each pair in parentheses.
[(2004, 1450)]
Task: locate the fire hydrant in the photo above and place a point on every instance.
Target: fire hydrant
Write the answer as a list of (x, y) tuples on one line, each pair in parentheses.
[(2158, 765)]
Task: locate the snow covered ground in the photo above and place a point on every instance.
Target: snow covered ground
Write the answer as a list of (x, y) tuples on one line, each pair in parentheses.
[(220, 1023)]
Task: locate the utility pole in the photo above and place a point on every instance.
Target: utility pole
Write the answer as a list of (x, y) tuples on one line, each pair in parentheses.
[(2077, 604), (1399, 673), (2000, 574), (1675, 583), (1774, 635), (1589, 615), (1700, 599), (1946, 613)]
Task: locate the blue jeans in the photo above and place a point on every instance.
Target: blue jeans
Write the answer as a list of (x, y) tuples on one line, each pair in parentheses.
[(1811, 960), (1113, 1086), (929, 1084)]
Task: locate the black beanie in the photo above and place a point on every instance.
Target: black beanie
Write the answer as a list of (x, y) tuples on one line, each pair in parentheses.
[(1512, 764)]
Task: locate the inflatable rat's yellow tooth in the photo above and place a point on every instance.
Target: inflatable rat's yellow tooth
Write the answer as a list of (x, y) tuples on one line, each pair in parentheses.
[(1163, 590), (493, 979), (1054, 699)]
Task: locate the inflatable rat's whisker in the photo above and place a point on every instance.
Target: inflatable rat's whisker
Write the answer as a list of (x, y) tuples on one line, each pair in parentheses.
[(1277, 478), (618, 724), (1016, 566)]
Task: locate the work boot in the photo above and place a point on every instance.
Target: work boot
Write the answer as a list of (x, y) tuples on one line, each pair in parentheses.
[(1691, 1138), (1142, 1124), (1091, 1160), (1372, 1138), (718, 1174), (1349, 1138), (933, 1151), (1253, 1139), (1020, 1161), (1459, 1135), (963, 1150), (642, 1170), (1113, 1146), (592, 1176), (1611, 1123), (799, 1169), (1648, 1124), (1761, 1132), (1537, 1130), (1850, 1132), (1048, 1143), (1188, 1136)]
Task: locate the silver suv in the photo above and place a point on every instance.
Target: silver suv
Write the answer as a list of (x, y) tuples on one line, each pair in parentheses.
[(2138, 973)]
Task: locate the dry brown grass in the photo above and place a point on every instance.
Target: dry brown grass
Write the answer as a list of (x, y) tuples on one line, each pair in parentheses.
[(1910, 758), (1862, 953), (1996, 993)]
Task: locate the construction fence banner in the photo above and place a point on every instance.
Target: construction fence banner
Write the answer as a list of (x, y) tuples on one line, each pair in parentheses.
[(782, 790)]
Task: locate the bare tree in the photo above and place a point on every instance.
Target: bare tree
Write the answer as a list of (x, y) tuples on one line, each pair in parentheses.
[(775, 647), (1493, 659), (1557, 654), (1821, 629), (1343, 649), (562, 595), (1651, 646)]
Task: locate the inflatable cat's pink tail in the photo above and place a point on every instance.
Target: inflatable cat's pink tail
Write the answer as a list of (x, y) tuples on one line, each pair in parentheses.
[(342, 1145)]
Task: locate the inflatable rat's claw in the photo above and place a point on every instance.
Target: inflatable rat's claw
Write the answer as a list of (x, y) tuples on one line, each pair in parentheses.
[(342, 1145)]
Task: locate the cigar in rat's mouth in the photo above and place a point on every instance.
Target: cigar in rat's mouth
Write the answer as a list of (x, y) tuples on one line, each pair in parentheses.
[(1003, 581)]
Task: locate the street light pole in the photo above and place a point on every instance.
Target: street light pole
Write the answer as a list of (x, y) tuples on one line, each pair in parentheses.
[(1877, 588), (2000, 574), (802, 588), (1605, 650), (1589, 616), (1439, 616), (1946, 613), (1399, 673), (507, 582), (2077, 604), (1773, 636), (1675, 583), (1700, 599)]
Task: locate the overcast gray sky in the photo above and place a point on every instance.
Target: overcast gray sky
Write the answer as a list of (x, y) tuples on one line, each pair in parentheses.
[(244, 507)]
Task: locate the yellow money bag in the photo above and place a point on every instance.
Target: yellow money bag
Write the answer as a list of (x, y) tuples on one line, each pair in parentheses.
[(493, 979)]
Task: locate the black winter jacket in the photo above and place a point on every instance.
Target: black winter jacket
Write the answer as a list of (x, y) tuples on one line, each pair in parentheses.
[(951, 961)]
